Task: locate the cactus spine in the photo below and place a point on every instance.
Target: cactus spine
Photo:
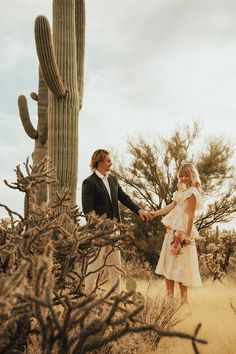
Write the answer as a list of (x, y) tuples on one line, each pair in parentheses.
[(61, 58)]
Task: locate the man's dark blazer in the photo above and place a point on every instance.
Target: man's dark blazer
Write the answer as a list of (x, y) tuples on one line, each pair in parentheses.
[(95, 197)]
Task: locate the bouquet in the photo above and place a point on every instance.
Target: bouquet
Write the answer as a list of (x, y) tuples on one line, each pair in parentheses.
[(178, 241)]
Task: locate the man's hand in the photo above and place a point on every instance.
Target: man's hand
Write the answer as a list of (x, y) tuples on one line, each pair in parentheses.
[(143, 214)]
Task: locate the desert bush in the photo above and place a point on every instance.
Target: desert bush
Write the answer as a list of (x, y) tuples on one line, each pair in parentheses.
[(137, 270), (217, 254), (163, 311), (156, 309)]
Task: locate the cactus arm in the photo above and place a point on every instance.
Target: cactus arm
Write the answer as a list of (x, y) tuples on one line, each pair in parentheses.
[(42, 109), (80, 44), (47, 58), (34, 96), (25, 118)]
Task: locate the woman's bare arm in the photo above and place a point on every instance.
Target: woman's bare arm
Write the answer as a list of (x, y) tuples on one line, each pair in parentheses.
[(164, 210), (190, 212)]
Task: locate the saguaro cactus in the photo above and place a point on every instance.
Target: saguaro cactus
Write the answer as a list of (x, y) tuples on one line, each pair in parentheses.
[(61, 58), (39, 134)]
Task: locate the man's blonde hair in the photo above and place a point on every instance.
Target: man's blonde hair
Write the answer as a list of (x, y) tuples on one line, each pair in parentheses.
[(98, 156), (193, 174)]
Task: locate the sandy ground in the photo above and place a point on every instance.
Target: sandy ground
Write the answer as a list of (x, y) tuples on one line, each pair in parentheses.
[(209, 305)]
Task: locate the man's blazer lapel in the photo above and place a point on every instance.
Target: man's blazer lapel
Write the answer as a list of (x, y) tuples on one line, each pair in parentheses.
[(112, 188), (102, 185)]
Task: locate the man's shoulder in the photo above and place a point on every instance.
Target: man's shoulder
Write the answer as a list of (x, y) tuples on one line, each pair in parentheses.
[(90, 179), (113, 178)]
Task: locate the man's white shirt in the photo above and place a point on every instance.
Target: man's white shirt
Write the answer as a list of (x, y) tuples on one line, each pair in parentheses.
[(105, 181)]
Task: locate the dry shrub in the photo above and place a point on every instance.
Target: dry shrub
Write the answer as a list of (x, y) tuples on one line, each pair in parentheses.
[(162, 311), (217, 255), (137, 270), (165, 313)]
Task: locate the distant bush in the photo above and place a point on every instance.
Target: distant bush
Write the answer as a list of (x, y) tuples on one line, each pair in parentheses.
[(217, 254)]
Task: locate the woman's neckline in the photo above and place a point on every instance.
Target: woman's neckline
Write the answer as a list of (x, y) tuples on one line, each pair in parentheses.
[(185, 190)]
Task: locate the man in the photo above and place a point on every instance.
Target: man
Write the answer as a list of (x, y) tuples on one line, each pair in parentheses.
[(101, 193)]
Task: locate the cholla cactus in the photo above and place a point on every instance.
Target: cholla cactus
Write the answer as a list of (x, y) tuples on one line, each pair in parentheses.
[(219, 255), (61, 58)]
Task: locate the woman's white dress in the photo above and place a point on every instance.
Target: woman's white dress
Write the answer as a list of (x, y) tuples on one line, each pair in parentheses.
[(184, 267)]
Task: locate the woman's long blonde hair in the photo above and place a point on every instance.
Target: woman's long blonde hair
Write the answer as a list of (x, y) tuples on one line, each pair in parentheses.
[(193, 174)]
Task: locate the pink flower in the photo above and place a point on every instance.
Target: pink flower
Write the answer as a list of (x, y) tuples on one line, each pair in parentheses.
[(177, 242)]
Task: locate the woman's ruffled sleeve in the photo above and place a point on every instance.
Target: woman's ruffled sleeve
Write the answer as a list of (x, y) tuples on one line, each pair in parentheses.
[(194, 191), (174, 197)]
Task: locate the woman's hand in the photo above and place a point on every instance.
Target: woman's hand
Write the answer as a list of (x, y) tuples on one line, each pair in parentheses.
[(151, 215), (187, 241)]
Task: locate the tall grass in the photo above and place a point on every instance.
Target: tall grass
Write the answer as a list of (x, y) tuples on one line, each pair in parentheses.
[(209, 305), (166, 313), (157, 309)]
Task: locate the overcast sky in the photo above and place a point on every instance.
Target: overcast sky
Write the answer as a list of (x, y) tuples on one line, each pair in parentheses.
[(150, 65)]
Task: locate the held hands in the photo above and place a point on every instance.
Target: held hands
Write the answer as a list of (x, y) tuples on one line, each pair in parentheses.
[(151, 215), (146, 215), (143, 214)]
